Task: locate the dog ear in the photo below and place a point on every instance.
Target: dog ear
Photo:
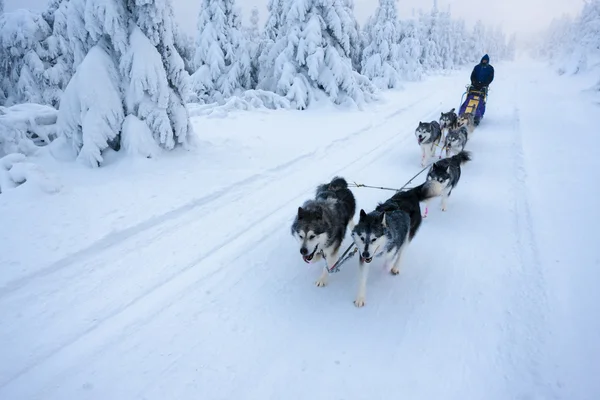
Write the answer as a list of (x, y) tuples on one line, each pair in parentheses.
[(448, 170), (363, 215), (383, 220), (300, 213), (452, 110)]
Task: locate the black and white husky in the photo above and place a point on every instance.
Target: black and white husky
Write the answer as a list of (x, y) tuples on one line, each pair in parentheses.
[(444, 176), (456, 140), (429, 135), (387, 231), (448, 121), (320, 224)]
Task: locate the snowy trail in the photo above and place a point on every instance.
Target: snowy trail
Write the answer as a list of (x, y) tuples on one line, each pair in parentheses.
[(212, 300)]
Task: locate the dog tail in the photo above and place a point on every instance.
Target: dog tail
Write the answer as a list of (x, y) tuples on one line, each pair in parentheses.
[(338, 183), (424, 191), (462, 157)]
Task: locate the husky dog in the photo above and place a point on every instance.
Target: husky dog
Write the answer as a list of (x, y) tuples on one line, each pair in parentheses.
[(388, 230), (445, 174), (428, 136), (467, 120), (456, 140), (320, 225), (448, 121)]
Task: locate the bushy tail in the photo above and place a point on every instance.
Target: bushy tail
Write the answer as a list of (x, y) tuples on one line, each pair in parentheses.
[(461, 158), (424, 191), (338, 183)]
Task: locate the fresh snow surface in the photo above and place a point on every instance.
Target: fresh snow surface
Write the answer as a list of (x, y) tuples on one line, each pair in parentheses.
[(177, 278)]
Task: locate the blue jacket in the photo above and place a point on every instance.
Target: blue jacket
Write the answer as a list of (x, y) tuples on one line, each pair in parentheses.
[(483, 74)]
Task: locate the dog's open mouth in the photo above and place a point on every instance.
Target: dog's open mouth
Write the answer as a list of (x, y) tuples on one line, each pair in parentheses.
[(308, 258), (367, 260), (419, 140)]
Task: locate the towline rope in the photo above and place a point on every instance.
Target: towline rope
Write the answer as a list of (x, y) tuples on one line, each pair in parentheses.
[(345, 256)]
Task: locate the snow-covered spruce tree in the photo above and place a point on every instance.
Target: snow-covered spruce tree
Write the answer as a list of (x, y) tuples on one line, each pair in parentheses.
[(130, 85), (381, 58), (253, 40), (410, 52), (23, 57), (186, 48), (356, 42), (59, 52), (313, 53), (430, 41), (266, 59), (222, 57)]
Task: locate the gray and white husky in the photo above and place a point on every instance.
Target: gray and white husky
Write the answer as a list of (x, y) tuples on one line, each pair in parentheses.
[(387, 231), (456, 140), (448, 121), (467, 120), (428, 136), (320, 224), (444, 176)]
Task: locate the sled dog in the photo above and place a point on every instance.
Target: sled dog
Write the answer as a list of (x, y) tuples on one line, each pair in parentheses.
[(467, 120), (445, 174), (388, 230), (428, 136), (448, 121), (320, 224), (456, 140)]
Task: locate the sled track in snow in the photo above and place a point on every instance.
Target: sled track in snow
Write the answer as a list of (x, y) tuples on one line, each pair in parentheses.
[(263, 179), (526, 328), (161, 295)]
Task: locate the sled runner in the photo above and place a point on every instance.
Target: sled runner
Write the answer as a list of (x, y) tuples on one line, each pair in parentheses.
[(475, 103)]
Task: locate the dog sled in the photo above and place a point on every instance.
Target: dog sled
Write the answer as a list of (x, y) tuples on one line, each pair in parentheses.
[(474, 103)]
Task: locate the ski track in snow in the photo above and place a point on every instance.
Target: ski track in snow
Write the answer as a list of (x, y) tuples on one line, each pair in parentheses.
[(179, 306), (265, 178), (145, 233)]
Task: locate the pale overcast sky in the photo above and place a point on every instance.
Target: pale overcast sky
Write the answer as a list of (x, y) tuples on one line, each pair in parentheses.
[(523, 16)]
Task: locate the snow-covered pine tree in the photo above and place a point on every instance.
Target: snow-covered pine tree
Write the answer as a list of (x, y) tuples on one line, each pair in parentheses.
[(186, 48), (158, 82), (23, 56), (253, 40), (478, 42), (313, 53), (356, 42), (222, 57), (254, 31), (445, 40), (60, 54), (128, 71), (266, 52), (430, 40), (381, 58), (410, 51)]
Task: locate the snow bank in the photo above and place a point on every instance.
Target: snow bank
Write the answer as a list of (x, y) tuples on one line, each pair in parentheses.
[(23, 127), (249, 100), (15, 171)]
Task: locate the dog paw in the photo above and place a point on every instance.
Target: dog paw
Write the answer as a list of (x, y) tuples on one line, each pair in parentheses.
[(360, 301), (444, 208), (395, 271), (321, 282)]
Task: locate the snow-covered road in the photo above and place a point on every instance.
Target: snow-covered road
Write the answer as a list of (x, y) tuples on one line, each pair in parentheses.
[(211, 300)]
